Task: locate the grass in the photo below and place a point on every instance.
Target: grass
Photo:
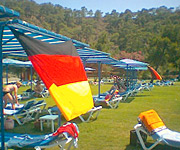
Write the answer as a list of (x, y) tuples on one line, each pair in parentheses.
[(111, 131)]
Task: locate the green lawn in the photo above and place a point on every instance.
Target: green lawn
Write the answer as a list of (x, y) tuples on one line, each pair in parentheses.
[(111, 131)]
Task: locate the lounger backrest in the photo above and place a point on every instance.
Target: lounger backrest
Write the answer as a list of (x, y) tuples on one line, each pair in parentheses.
[(20, 110), (111, 91), (29, 104), (151, 120), (110, 96), (26, 106), (39, 102)]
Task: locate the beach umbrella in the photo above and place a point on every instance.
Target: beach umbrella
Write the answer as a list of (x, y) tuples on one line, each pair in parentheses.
[(155, 75)]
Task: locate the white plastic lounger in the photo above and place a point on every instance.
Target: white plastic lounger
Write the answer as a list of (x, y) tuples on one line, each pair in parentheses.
[(110, 100), (64, 136), (151, 124), (28, 112), (92, 114)]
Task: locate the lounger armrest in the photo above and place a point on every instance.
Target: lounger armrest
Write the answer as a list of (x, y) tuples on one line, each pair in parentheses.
[(95, 108), (117, 99)]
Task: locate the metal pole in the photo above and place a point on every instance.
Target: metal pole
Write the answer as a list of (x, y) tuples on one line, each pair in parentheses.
[(127, 79), (31, 78), (84, 63), (131, 77), (6, 74), (99, 75), (1, 92), (59, 118)]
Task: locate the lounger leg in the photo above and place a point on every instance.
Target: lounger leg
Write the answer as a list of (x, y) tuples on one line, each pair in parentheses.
[(138, 129), (37, 115), (62, 145), (52, 125), (90, 115), (70, 145), (97, 113), (37, 148), (41, 124), (94, 110), (18, 120), (48, 123), (82, 119), (5, 146)]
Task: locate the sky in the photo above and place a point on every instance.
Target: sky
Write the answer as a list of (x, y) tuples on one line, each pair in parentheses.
[(108, 5)]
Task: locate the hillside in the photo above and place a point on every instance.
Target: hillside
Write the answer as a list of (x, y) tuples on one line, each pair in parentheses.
[(150, 35)]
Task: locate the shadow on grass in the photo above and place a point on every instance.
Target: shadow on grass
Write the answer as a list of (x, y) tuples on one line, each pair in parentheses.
[(128, 100), (158, 147), (130, 147), (142, 95), (79, 121)]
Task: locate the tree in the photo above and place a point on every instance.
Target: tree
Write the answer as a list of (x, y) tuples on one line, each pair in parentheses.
[(153, 33), (90, 13), (157, 53), (84, 12), (98, 14)]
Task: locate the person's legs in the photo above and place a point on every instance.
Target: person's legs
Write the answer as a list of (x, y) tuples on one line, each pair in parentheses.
[(9, 97), (5, 101)]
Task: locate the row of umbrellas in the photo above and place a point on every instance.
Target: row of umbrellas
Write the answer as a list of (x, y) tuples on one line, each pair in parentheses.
[(124, 63)]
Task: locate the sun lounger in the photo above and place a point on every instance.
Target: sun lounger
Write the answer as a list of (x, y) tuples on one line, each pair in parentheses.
[(151, 124), (91, 114), (41, 104), (109, 100), (66, 134), (28, 112), (125, 95)]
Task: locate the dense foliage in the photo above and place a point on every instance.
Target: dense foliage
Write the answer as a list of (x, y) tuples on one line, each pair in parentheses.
[(150, 35)]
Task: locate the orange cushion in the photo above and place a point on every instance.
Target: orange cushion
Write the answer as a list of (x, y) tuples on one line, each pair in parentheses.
[(151, 120)]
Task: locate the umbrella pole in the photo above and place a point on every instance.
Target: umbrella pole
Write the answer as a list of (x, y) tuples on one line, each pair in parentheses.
[(31, 78), (99, 75), (1, 92), (6, 74)]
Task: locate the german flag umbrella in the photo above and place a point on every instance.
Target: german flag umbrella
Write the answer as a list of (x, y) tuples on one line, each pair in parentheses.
[(62, 71), (155, 75)]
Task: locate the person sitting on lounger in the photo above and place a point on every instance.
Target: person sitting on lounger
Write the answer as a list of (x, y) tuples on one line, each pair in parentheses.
[(119, 84), (38, 89), (8, 91)]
